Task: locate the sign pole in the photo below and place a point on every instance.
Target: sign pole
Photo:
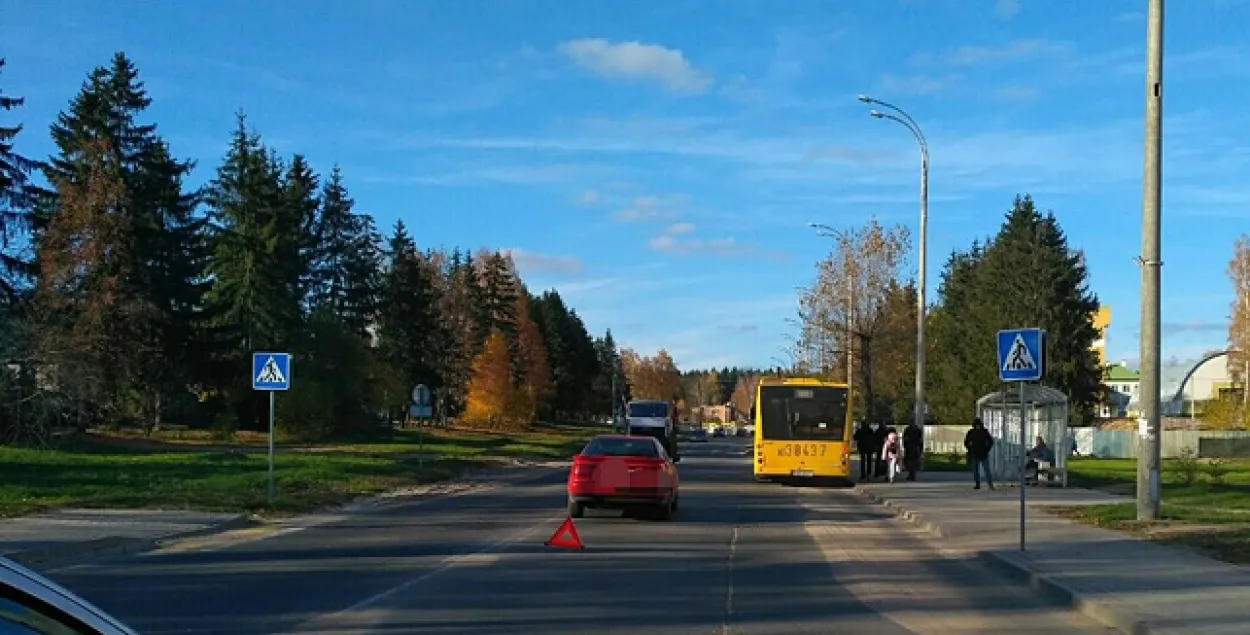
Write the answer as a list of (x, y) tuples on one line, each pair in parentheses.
[(1023, 443), (271, 372), (272, 416)]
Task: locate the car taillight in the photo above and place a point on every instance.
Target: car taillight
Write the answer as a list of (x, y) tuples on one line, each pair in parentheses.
[(582, 468)]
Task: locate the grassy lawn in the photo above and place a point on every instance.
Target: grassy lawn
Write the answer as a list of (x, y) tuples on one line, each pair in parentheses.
[(936, 462), (195, 474), (1202, 508)]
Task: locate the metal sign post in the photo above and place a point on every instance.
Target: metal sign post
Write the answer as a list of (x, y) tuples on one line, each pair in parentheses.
[(1021, 359), (271, 372), (422, 409)]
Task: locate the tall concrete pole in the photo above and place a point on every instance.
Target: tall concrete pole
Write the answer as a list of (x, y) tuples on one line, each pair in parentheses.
[(1150, 432)]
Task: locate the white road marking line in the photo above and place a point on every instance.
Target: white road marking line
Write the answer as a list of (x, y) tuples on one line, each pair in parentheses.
[(447, 563), (729, 581)]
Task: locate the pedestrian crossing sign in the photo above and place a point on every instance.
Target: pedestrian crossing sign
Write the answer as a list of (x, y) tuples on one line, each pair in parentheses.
[(271, 371), (1021, 354)]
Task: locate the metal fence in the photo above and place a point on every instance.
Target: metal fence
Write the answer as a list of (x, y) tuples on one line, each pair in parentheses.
[(1113, 444)]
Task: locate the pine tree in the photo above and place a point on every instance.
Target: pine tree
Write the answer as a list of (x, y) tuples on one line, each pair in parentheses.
[(251, 291), (409, 322), (17, 200), (1026, 275), (346, 262)]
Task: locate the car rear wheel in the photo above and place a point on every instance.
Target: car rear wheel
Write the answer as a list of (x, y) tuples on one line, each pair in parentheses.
[(665, 510), (576, 509)]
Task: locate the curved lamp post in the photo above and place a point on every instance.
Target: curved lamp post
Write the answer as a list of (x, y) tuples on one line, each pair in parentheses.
[(903, 118)]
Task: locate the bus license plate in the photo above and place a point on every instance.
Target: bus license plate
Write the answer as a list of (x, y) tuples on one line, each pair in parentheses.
[(802, 473)]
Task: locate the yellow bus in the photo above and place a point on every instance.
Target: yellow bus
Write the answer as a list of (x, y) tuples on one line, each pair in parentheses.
[(802, 429)]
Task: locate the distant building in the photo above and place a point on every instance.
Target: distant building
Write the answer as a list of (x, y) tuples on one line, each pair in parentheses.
[(1102, 322), (723, 414), (1123, 385)]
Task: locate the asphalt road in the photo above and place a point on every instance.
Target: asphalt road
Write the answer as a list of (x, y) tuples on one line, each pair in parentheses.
[(740, 558)]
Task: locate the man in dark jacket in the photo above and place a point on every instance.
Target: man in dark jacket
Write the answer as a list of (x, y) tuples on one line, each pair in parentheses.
[(978, 443), (913, 448), (863, 445)]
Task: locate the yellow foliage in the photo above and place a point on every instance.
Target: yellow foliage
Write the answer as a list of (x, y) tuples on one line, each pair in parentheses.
[(1226, 414), (651, 377), (490, 384)]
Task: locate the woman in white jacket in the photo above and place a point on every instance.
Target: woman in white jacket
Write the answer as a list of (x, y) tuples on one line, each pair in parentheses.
[(892, 453)]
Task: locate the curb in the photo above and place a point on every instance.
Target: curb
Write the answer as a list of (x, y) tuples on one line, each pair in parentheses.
[(1103, 612), (78, 552), (906, 514), (1012, 566)]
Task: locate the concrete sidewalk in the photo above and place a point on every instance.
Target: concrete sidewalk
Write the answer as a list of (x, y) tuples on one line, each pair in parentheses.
[(62, 537), (1133, 585)]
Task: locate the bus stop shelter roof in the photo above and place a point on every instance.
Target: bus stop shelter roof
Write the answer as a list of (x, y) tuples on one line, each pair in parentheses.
[(1035, 394)]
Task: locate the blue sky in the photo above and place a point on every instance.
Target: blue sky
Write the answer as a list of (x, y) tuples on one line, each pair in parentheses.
[(658, 161)]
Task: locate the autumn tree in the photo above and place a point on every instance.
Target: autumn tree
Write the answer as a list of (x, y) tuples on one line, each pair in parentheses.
[(490, 390), (849, 305), (652, 377), (93, 315), (533, 384), (1239, 322), (744, 393)]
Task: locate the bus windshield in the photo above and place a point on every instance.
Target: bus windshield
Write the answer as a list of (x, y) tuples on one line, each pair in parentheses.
[(656, 409), (803, 413)]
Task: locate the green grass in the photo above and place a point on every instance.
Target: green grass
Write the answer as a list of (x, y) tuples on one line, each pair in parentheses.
[(936, 462), (1209, 513), (191, 476)]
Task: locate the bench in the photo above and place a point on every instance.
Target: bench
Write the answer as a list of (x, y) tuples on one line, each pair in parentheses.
[(1050, 471)]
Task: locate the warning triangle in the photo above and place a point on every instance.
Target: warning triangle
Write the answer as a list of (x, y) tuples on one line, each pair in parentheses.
[(566, 536), (270, 373), (1019, 357)]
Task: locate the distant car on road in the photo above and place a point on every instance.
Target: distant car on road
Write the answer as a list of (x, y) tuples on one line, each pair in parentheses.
[(623, 472), (698, 435), (31, 603)]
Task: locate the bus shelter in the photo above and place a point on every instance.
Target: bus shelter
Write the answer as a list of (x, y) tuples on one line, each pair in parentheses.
[(1045, 415)]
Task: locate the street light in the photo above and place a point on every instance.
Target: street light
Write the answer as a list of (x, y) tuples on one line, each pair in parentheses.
[(903, 118)]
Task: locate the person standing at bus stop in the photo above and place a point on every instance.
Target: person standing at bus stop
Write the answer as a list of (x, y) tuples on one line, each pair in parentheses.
[(864, 438), (913, 449), (978, 443)]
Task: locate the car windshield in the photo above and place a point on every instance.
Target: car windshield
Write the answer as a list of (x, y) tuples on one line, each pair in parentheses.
[(617, 446), (648, 409)]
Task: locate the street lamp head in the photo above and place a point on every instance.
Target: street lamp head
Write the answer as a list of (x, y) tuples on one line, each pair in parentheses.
[(877, 113), (865, 98)]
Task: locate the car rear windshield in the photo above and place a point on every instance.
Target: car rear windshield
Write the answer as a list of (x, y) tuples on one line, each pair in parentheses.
[(648, 409), (803, 413), (607, 446)]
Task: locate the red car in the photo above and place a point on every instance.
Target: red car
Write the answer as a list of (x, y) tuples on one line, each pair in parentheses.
[(623, 472)]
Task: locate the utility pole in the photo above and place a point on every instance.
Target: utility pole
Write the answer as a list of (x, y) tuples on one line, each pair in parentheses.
[(1150, 432)]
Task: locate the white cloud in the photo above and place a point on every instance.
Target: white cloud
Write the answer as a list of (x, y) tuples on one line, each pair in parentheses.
[(589, 197), (680, 229), (1017, 93), (1131, 16), (1007, 8), (636, 61), (530, 262), (645, 208), (1014, 51), (916, 84)]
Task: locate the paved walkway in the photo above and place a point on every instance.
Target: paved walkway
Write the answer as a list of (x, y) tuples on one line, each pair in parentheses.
[(1131, 584)]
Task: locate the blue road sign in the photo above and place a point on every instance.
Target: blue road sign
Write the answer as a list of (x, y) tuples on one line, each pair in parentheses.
[(421, 411), (271, 371), (1021, 354)]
